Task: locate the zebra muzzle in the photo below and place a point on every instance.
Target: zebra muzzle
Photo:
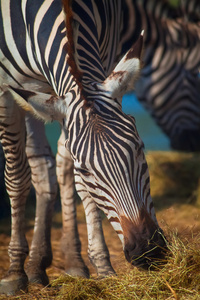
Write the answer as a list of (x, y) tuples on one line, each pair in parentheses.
[(144, 243), (146, 253)]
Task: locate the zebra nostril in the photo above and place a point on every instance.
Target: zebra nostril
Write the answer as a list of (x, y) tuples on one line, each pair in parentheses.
[(129, 249)]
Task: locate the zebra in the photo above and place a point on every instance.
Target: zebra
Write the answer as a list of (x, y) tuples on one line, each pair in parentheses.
[(38, 271), (103, 266), (169, 85), (1, 173), (55, 95), (44, 181)]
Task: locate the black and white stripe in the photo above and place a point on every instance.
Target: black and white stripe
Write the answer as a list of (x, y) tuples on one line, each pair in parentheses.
[(169, 82)]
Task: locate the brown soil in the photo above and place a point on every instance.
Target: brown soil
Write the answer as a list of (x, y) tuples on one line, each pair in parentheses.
[(184, 219)]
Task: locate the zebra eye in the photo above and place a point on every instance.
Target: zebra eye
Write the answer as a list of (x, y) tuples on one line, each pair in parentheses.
[(140, 149), (84, 172)]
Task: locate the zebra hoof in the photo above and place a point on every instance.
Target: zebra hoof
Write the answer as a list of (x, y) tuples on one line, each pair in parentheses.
[(14, 284), (106, 272), (102, 265), (78, 272), (38, 278)]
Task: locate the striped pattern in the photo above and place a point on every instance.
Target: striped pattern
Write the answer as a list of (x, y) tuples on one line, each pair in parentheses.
[(35, 61), (117, 173), (169, 83)]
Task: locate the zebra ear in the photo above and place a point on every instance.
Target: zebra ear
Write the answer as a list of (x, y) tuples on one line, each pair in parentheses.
[(43, 106), (122, 79)]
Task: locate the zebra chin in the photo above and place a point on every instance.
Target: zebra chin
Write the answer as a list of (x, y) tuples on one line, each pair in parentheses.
[(144, 243), (188, 140)]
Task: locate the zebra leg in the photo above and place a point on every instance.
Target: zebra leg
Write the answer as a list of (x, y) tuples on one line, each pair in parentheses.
[(71, 245), (97, 249), (2, 163), (18, 182), (70, 242), (42, 163)]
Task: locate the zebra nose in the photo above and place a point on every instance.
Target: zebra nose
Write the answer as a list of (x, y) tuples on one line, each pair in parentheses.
[(187, 140), (144, 253)]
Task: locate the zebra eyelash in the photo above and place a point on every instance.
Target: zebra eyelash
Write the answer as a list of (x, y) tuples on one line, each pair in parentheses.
[(84, 172)]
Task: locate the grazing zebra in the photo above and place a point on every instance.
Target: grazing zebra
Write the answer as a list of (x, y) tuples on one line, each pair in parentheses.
[(28, 72), (169, 85), (113, 171)]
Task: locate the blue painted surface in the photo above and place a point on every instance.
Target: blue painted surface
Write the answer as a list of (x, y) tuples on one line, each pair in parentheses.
[(152, 136), (53, 132), (150, 133)]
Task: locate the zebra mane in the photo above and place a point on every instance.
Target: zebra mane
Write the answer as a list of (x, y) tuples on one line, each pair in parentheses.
[(83, 39), (85, 58), (76, 73)]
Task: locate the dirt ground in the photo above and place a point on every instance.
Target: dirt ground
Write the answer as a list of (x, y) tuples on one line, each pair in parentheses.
[(184, 219)]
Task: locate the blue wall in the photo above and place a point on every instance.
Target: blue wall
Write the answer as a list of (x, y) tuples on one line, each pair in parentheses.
[(151, 134)]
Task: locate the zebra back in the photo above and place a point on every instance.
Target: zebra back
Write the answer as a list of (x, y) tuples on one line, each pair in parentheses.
[(169, 83)]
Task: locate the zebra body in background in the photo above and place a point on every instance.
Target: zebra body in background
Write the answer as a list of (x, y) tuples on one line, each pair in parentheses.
[(169, 85), (90, 111)]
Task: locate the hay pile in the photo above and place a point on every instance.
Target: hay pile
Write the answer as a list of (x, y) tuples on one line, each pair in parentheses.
[(178, 279), (175, 176)]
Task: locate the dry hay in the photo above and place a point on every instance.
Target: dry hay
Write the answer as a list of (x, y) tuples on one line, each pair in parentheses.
[(175, 176), (178, 279)]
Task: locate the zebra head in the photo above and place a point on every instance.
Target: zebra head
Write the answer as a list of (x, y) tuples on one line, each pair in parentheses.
[(109, 161), (110, 166)]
